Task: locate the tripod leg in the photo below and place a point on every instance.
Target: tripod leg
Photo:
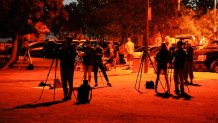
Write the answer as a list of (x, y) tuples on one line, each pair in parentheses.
[(99, 71), (30, 59), (154, 68), (23, 59), (47, 78), (56, 65), (139, 74), (171, 72), (187, 87)]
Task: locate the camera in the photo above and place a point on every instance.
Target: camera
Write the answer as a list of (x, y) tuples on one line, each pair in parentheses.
[(51, 50)]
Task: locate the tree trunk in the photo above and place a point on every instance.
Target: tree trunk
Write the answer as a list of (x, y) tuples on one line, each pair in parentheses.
[(13, 53)]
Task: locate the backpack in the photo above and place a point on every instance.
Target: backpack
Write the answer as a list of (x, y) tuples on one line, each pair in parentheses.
[(84, 93), (149, 85)]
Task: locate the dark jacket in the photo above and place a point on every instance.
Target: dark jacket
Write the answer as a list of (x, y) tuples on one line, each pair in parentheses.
[(162, 58), (180, 57), (67, 57), (189, 55), (88, 57), (98, 53)]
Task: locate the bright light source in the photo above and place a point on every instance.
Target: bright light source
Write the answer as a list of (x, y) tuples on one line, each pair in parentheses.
[(202, 57)]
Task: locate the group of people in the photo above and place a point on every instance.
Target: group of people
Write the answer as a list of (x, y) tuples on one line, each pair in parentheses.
[(91, 60), (182, 61)]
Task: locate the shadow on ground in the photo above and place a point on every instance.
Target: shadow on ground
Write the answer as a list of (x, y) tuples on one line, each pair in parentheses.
[(43, 104), (185, 96)]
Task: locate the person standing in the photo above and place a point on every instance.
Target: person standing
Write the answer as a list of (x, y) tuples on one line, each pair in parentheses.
[(129, 46), (162, 58), (189, 65), (179, 63), (111, 53), (67, 59), (98, 63), (121, 51), (87, 55)]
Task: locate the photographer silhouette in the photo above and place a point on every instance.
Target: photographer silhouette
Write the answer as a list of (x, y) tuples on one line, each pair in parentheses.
[(67, 54)]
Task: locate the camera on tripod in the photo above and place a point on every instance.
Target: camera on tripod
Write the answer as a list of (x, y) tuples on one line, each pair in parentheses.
[(51, 50)]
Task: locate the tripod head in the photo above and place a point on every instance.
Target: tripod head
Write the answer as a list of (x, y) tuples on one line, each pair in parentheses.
[(144, 53)]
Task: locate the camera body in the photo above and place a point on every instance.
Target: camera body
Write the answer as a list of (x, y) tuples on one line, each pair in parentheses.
[(51, 50)]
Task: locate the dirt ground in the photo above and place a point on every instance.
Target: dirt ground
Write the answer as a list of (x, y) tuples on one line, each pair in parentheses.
[(21, 100)]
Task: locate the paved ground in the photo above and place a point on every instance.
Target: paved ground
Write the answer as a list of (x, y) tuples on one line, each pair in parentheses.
[(20, 101)]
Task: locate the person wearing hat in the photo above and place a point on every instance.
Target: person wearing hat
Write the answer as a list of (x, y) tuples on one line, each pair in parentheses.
[(67, 58), (179, 63)]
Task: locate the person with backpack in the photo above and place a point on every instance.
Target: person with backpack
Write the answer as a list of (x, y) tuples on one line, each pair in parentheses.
[(162, 59)]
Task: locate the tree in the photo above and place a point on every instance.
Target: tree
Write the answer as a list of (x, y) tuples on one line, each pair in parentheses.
[(113, 17), (18, 17), (201, 7), (75, 21), (164, 14)]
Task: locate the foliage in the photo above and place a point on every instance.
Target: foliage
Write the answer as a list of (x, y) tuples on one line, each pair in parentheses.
[(112, 17), (201, 7), (164, 14), (74, 23), (18, 17)]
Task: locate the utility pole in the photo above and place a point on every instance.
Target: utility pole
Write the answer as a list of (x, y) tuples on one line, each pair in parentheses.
[(146, 33), (178, 8), (215, 28)]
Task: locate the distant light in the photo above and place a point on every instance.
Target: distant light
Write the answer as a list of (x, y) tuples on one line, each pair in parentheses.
[(69, 1)]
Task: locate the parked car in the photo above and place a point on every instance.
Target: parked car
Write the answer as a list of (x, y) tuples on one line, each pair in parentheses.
[(152, 51), (5, 48), (36, 48), (205, 59)]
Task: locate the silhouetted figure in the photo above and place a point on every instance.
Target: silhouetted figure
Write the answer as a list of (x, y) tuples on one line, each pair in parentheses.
[(179, 63), (111, 54), (121, 51), (162, 58), (87, 55), (67, 59), (188, 72), (98, 63)]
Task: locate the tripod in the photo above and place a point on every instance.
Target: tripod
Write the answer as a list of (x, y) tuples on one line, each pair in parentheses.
[(27, 54), (55, 80), (139, 75)]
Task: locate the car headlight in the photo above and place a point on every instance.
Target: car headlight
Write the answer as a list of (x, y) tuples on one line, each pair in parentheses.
[(202, 57)]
